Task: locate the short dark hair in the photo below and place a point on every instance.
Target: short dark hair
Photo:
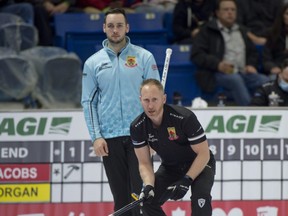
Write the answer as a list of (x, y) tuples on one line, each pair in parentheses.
[(220, 1), (155, 82), (116, 11)]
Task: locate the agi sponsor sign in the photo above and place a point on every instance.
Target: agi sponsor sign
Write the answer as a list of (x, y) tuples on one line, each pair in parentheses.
[(71, 125), (43, 126)]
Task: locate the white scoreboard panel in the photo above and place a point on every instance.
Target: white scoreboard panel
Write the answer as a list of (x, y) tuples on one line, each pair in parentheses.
[(251, 169)]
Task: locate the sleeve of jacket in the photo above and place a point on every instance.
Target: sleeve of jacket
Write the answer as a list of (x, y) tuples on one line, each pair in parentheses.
[(202, 54), (260, 98), (151, 70), (268, 63), (89, 102), (252, 55)]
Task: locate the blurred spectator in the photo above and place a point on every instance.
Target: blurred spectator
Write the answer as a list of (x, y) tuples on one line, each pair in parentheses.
[(188, 16), (43, 19), (259, 16), (24, 10), (245, 17), (155, 6), (275, 50), (92, 6), (60, 6), (226, 57), (273, 93)]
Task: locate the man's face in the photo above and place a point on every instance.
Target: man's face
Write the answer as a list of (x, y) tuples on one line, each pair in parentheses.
[(115, 28), (284, 74), (227, 13), (152, 100)]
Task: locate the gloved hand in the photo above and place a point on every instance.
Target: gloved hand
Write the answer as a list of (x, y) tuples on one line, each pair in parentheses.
[(180, 188), (147, 193)]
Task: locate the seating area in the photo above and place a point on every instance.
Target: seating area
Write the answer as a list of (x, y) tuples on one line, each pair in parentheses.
[(32, 76), (82, 34)]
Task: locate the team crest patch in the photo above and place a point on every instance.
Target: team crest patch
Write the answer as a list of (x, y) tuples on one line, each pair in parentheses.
[(201, 202), (154, 67), (131, 61), (172, 133)]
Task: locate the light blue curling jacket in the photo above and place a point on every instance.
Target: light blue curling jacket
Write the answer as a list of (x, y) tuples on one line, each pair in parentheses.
[(111, 88)]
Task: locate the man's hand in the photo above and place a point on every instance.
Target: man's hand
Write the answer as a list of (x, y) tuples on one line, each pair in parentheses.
[(62, 7), (180, 188), (250, 69), (147, 193), (100, 147), (225, 67)]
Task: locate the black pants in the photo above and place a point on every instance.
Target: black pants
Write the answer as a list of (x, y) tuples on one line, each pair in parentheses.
[(200, 189), (122, 171)]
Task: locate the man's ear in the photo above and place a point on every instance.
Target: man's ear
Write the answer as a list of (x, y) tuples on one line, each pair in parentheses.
[(104, 28), (127, 28), (164, 98)]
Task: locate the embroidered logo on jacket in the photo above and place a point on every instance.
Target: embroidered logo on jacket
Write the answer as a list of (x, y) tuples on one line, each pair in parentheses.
[(172, 133), (131, 61), (201, 202)]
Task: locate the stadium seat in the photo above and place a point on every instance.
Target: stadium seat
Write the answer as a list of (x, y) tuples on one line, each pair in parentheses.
[(6, 51), (18, 36), (168, 25), (6, 18), (83, 44), (147, 28), (18, 78), (60, 75), (69, 23), (180, 78)]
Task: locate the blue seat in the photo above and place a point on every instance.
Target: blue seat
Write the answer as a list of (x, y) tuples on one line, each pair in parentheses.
[(260, 58), (83, 44), (181, 71), (147, 28), (17, 78), (70, 23), (168, 25)]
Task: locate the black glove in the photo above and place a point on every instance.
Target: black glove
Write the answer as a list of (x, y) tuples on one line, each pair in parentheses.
[(180, 188), (147, 193)]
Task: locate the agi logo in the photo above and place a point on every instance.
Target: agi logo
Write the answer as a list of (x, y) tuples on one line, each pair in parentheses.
[(31, 126), (270, 123), (244, 123), (60, 126)]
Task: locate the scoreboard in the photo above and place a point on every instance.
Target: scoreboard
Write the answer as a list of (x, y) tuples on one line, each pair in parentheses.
[(47, 159)]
